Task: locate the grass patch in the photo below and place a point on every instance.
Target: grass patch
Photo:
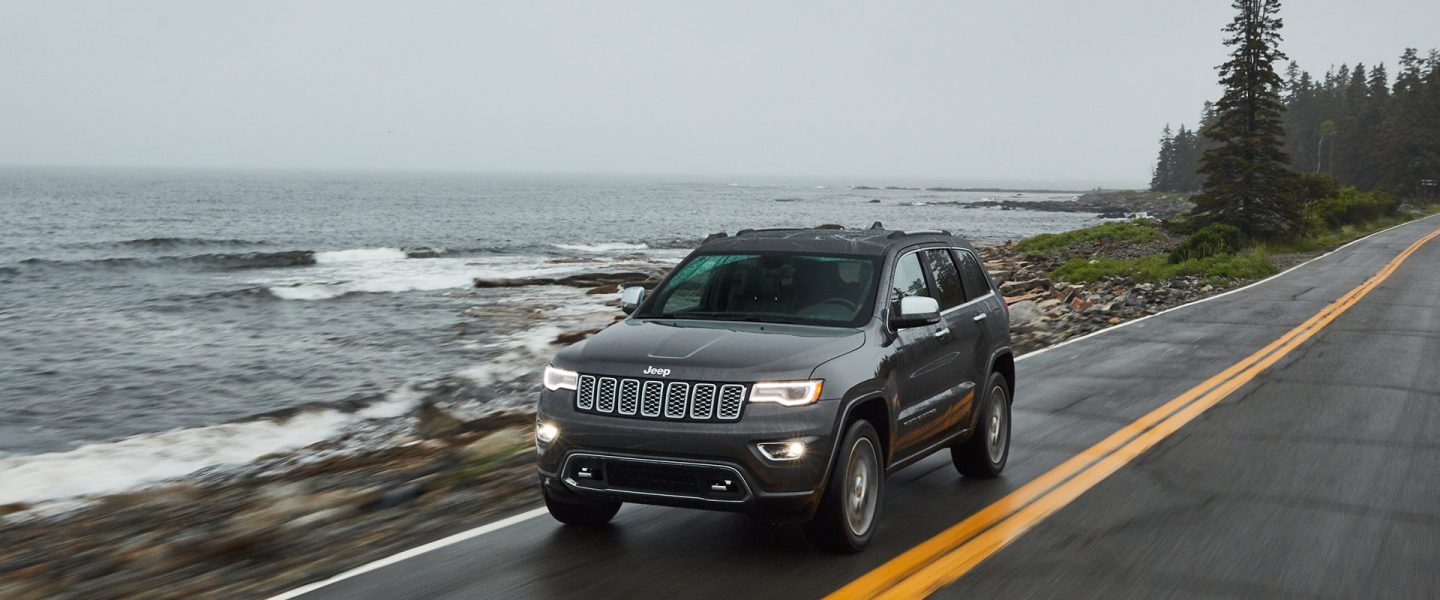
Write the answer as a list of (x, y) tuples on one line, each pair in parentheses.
[(1137, 232), (1333, 238), (1252, 264)]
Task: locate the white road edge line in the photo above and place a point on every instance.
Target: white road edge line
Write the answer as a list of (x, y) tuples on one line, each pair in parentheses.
[(531, 514), (413, 552)]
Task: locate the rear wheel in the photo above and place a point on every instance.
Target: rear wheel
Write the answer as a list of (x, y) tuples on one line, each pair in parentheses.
[(984, 455), (848, 511), (586, 513)]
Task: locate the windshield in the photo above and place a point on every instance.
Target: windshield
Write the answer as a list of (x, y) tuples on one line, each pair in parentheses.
[(769, 287)]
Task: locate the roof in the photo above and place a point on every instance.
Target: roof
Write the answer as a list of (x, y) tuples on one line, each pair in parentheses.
[(873, 242)]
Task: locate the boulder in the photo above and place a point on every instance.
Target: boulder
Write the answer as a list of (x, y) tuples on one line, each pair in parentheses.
[(433, 422), (1026, 317)]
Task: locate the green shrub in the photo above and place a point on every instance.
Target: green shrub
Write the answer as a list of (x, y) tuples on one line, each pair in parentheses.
[(1350, 207), (1155, 267), (1136, 232), (1313, 186), (1216, 238)]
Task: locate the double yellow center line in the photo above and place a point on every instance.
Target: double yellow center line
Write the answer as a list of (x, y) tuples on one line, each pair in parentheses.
[(949, 555)]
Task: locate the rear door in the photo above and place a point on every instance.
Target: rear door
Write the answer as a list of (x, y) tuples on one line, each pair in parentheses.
[(960, 343), (983, 316)]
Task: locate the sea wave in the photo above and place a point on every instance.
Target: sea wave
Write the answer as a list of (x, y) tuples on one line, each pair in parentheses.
[(235, 260), (359, 255), (123, 464), (603, 247), (170, 242)]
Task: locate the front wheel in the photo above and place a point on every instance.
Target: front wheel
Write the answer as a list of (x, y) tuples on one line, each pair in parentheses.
[(984, 455), (590, 513), (845, 520)]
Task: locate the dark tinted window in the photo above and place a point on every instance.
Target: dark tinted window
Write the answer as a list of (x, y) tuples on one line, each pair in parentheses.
[(976, 284), (947, 279), (909, 280), (776, 288)]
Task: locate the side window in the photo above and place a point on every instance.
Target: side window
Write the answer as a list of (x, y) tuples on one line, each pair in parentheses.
[(909, 280), (976, 283), (947, 279)]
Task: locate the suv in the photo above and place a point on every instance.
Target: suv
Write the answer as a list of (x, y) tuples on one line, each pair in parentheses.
[(783, 373)]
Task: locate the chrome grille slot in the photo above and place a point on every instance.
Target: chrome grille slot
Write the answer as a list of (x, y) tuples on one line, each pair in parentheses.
[(605, 395), (702, 402), (585, 393), (654, 399), (629, 397), (732, 399), (660, 399), (677, 396)]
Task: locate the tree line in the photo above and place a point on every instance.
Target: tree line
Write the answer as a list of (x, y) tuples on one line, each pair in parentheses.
[(1353, 123)]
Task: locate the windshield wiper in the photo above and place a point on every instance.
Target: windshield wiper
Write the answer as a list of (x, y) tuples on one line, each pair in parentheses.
[(725, 316)]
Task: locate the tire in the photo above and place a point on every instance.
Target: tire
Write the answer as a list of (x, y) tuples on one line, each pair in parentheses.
[(984, 455), (850, 508), (590, 513)]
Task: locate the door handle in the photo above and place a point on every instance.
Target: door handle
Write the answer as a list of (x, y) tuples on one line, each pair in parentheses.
[(980, 318), (942, 332)]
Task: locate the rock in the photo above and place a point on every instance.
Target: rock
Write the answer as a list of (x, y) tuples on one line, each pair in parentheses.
[(1015, 287), (397, 496), (432, 422), (1026, 317), (1023, 297), (874, 201), (604, 288), (570, 337), (497, 443)]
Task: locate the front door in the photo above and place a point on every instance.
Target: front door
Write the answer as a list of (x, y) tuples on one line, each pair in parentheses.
[(925, 386)]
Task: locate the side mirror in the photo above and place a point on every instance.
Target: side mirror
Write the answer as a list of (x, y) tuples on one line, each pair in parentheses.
[(916, 311), (630, 298)]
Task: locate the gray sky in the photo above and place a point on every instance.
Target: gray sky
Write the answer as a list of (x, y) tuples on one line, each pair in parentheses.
[(1008, 91)]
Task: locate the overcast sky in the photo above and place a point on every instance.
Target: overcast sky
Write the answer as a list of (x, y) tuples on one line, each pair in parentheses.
[(1059, 91)]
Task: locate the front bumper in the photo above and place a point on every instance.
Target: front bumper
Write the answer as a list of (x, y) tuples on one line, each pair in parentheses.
[(664, 456)]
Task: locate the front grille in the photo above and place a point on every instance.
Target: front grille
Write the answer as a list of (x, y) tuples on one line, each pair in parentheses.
[(654, 399)]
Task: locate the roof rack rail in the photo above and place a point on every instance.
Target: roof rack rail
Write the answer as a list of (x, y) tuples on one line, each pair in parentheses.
[(899, 234), (749, 231)]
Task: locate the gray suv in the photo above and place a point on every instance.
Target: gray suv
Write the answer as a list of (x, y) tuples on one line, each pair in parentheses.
[(783, 373)]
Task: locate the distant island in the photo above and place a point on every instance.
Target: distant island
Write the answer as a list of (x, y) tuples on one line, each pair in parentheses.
[(950, 189)]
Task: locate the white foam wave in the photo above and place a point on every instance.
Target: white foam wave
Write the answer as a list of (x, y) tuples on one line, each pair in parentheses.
[(359, 255), (132, 462), (313, 291), (603, 247), (339, 279)]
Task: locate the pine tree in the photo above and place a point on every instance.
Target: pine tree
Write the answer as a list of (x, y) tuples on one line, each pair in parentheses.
[(1247, 180), (1164, 173)]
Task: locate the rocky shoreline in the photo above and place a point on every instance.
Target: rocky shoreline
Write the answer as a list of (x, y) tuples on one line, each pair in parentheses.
[(305, 515), (1109, 204)]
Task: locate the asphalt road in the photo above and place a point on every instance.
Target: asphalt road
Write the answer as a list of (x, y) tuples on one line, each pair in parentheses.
[(1318, 478)]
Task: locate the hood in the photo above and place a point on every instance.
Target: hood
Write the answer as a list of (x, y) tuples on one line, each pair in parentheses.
[(709, 351)]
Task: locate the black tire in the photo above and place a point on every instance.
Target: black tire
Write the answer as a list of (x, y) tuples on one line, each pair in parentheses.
[(984, 455), (845, 521), (589, 513)]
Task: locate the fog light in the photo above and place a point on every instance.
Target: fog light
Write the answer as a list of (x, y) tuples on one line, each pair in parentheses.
[(782, 450), (546, 433)]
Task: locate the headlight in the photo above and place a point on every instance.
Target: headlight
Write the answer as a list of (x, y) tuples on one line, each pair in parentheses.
[(546, 432), (560, 379), (787, 393)]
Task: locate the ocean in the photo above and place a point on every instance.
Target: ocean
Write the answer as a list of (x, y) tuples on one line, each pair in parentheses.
[(151, 319)]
